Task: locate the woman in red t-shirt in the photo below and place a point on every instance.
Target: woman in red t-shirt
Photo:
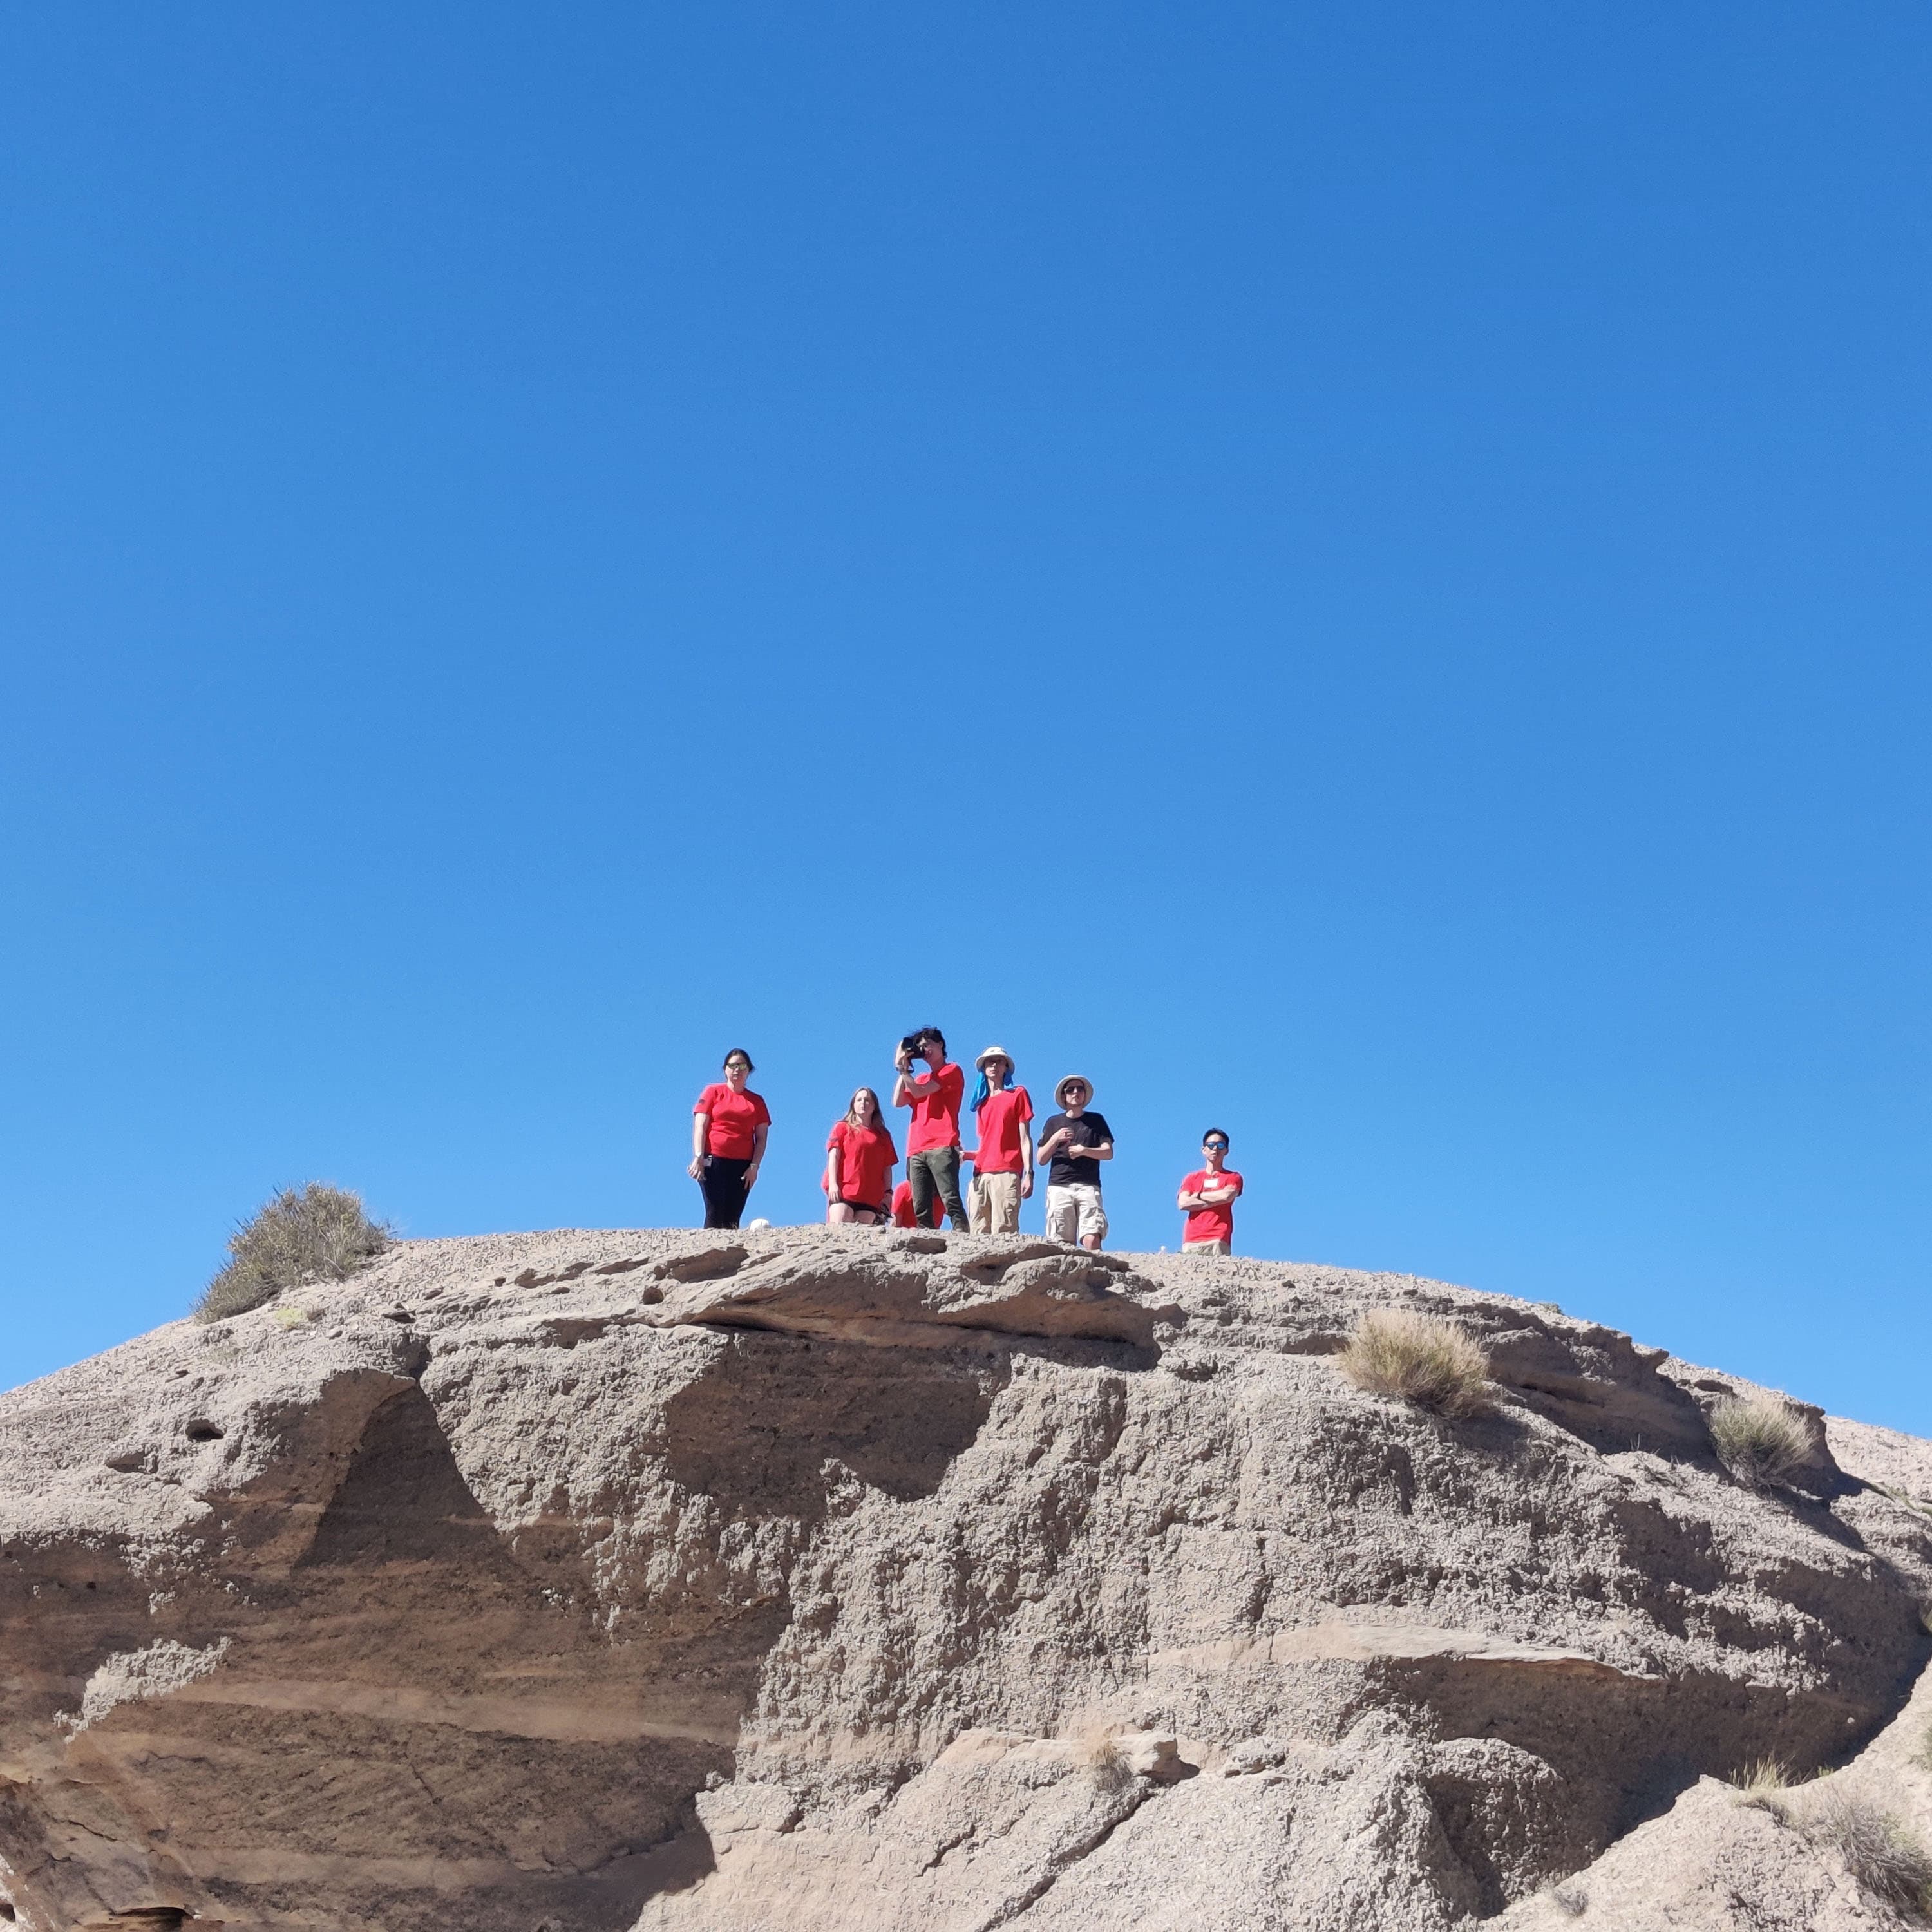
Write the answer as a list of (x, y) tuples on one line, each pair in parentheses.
[(729, 1127), (859, 1157)]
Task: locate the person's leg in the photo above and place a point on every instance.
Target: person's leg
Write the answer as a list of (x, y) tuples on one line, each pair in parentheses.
[(919, 1171), (1093, 1219), (980, 1203), (1009, 1204), (945, 1172), (1062, 1214), (724, 1185), (732, 1190), (838, 1213)]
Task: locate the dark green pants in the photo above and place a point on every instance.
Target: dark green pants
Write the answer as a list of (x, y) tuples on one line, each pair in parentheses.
[(936, 1172)]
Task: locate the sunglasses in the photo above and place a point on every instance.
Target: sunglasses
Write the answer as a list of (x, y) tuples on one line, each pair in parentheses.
[(1221, 1144)]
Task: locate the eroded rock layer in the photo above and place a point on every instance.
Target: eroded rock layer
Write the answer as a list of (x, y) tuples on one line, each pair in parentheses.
[(823, 1578)]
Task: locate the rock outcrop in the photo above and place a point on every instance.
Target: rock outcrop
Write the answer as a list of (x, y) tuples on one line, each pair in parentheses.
[(815, 1580)]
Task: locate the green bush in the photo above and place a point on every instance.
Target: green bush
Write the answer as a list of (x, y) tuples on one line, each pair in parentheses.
[(1425, 1360), (1759, 1439), (316, 1233)]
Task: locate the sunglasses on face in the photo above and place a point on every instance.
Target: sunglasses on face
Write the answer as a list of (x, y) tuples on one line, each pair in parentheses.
[(1221, 1144)]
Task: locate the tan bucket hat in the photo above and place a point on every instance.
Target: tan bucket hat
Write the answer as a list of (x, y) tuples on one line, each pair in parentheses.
[(993, 1053), (1066, 1081)]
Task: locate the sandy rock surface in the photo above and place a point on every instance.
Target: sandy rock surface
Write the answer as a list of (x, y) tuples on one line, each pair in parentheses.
[(823, 1579)]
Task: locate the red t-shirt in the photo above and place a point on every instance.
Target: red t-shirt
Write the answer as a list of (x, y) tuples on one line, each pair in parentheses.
[(935, 1117), (1211, 1224), (902, 1213), (866, 1159), (734, 1119), (1002, 1118)]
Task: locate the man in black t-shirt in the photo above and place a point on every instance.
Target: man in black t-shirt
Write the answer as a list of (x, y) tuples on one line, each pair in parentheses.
[(1076, 1141)]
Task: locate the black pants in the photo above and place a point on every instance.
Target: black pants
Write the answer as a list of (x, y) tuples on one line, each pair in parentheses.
[(723, 1181), (936, 1172)]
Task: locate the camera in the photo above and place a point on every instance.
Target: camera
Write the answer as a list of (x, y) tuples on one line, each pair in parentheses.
[(910, 1046)]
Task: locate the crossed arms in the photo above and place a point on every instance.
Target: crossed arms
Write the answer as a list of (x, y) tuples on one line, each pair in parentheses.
[(1209, 1196)]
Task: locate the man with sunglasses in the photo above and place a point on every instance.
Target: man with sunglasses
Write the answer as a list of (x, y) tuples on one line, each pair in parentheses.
[(1207, 1199), (1076, 1140)]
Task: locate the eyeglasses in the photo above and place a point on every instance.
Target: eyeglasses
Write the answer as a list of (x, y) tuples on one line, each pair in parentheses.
[(1221, 1144)]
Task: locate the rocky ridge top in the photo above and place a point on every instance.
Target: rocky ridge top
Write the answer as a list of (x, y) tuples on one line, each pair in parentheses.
[(821, 1578)]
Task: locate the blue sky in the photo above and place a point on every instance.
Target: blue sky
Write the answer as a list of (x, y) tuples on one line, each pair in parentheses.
[(1357, 574)]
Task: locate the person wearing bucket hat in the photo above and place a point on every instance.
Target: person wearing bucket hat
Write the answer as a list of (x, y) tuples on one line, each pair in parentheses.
[(1002, 1161), (1075, 1140)]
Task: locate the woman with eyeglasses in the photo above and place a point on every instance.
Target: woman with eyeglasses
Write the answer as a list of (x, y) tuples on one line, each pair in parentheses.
[(729, 1127), (1207, 1199), (859, 1157)]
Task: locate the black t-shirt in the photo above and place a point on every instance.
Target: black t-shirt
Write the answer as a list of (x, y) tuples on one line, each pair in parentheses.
[(1089, 1130)]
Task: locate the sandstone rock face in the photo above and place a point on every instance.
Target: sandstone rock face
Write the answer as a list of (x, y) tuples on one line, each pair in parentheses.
[(805, 1580)]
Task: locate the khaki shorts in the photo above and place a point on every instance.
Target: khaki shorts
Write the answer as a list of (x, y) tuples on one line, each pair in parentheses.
[(995, 1205), (1074, 1210), (1204, 1247)]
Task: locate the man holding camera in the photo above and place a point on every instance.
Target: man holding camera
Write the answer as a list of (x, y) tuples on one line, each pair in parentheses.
[(932, 1142)]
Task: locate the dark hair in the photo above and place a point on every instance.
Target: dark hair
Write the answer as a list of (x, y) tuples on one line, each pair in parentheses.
[(925, 1034), (738, 1053), (1209, 1133)]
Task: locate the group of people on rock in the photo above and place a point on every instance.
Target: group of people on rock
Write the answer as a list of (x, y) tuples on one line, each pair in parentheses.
[(730, 1125)]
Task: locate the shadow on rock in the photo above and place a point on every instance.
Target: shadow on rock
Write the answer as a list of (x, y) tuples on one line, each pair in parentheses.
[(756, 1431)]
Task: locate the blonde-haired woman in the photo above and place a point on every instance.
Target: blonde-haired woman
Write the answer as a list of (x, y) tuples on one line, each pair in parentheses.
[(859, 1157)]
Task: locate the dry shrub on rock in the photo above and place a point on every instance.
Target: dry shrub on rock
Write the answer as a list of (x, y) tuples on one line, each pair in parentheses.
[(1423, 1359), (1764, 1782), (1887, 1860), (1106, 1764), (1758, 1438), (315, 1233)]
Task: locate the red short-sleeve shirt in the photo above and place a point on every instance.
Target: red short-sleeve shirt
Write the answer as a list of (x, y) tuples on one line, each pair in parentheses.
[(735, 1120), (935, 1117), (1003, 1119), (1210, 1224), (866, 1159)]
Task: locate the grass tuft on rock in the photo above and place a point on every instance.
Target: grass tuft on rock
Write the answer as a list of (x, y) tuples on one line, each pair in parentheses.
[(1760, 1439), (1422, 1358), (1764, 1782), (314, 1233), (1887, 1860)]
